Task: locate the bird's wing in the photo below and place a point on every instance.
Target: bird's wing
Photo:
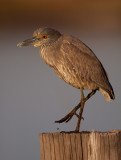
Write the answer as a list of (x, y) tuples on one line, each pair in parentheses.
[(85, 65)]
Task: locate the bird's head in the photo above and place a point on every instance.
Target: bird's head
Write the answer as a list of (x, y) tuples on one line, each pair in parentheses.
[(41, 37)]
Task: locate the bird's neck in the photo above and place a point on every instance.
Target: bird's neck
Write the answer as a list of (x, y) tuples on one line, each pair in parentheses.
[(50, 42), (48, 52)]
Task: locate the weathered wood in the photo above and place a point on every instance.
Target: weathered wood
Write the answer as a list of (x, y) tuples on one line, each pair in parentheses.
[(81, 146)]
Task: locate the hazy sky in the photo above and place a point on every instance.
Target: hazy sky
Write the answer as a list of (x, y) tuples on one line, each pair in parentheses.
[(32, 96)]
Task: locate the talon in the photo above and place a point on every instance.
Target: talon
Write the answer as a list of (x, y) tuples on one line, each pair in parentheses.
[(69, 119), (78, 116), (63, 119), (82, 118)]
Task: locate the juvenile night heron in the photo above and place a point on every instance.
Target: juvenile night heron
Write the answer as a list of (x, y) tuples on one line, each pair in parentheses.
[(73, 62)]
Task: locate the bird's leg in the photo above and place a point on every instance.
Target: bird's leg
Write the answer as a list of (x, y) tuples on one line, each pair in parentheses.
[(83, 100), (90, 95), (69, 116), (81, 110)]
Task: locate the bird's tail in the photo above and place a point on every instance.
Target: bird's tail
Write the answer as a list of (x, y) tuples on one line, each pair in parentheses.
[(108, 95)]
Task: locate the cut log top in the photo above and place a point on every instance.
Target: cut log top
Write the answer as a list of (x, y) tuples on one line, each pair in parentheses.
[(81, 146)]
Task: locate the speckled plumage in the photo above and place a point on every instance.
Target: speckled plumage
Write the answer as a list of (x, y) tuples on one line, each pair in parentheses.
[(72, 60)]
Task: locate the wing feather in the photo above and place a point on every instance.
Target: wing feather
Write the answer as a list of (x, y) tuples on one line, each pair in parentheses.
[(85, 65)]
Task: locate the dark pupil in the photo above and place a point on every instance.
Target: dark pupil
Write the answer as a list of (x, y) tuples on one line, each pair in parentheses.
[(44, 36)]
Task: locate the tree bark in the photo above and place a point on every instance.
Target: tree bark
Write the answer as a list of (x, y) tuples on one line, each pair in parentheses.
[(81, 146)]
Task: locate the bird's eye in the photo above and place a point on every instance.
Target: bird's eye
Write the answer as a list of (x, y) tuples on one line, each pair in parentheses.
[(44, 36)]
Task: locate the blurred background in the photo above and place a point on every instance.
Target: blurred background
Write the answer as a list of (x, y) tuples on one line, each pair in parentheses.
[(32, 97)]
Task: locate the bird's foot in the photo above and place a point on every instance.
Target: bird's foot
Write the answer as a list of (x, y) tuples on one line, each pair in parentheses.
[(69, 116)]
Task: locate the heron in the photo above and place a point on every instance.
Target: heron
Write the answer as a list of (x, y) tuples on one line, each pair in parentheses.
[(75, 63)]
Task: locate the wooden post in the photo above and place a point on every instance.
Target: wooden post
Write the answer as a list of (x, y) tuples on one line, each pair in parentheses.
[(81, 146)]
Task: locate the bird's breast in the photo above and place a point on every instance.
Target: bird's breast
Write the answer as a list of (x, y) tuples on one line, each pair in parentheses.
[(46, 55), (51, 54)]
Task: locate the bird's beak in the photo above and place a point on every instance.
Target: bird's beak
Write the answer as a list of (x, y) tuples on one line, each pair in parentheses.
[(27, 42)]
